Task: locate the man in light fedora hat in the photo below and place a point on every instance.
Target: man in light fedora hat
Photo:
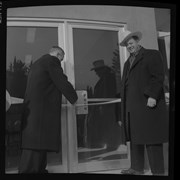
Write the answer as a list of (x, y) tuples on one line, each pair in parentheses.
[(127, 35), (144, 113)]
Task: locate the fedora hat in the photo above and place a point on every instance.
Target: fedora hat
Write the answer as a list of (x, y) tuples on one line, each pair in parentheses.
[(98, 64), (127, 35)]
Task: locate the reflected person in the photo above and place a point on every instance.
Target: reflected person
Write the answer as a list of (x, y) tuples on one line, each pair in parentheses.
[(103, 130)]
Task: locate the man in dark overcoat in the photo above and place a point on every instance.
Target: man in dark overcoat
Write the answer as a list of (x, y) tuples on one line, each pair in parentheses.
[(144, 112), (41, 122)]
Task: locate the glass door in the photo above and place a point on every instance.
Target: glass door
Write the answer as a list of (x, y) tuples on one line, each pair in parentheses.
[(94, 65), (26, 42)]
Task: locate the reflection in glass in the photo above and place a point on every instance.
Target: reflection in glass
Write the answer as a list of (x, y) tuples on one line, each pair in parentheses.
[(24, 46), (97, 70)]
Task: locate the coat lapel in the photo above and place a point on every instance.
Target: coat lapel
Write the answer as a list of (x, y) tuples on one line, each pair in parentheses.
[(126, 70), (138, 58)]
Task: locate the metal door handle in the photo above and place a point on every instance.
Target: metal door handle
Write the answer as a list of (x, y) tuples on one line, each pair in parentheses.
[(82, 99)]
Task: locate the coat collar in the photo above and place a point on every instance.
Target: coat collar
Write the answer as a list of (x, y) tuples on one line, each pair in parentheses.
[(55, 59), (138, 57)]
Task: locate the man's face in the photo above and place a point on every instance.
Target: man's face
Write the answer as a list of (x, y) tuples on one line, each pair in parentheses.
[(132, 45), (99, 71), (60, 56)]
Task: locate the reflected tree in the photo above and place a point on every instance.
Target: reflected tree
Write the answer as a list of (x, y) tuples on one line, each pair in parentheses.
[(117, 69), (16, 77), (116, 62)]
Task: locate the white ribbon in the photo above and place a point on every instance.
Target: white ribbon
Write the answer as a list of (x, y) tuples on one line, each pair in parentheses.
[(19, 101), (94, 104)]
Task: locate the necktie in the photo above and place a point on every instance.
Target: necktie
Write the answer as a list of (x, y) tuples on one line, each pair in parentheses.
[(131, 60)]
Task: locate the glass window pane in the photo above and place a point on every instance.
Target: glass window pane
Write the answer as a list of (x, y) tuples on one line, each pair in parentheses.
[(97, 70), (24, 46)]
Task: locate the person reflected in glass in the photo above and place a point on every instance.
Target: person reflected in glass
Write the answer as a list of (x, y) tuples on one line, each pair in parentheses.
[(103, 130)]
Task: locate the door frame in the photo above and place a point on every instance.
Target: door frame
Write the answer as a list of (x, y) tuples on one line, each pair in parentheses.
[(18, 22), (74, 166), (65, 26)]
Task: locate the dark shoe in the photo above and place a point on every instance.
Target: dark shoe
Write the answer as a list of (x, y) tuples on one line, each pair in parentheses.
[(158, 174), (131, 172), (45, 172)]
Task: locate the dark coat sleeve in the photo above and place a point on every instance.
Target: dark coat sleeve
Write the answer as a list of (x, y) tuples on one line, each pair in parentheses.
[(61, 81), (156, 70)]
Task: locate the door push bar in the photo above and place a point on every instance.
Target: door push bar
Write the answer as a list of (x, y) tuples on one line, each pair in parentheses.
[(82, 102)]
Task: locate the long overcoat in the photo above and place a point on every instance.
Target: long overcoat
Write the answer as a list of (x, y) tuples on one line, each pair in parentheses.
[(145, 79), (41, 120)]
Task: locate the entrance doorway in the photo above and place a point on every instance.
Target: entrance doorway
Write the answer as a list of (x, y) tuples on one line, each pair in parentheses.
[(26, 42), (91, 139), (95, 70)]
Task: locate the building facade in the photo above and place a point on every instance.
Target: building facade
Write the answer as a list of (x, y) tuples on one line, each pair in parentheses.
[(86, 33)]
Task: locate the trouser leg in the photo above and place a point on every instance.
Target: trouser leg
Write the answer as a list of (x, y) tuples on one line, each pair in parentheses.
[(156, 159), (33, 161), (44, 161), (137, 156)]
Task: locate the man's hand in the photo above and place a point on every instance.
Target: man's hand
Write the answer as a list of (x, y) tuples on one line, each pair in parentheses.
[(167, 98), (151, 102), (120, 123)]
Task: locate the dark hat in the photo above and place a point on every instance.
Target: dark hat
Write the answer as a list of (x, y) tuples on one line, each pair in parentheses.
[(127, 35), (98, 64)]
